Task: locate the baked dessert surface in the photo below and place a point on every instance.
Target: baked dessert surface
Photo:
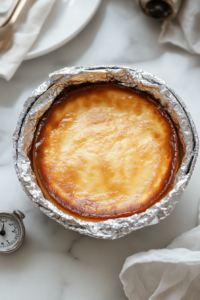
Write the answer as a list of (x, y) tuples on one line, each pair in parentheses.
[(105, 151)]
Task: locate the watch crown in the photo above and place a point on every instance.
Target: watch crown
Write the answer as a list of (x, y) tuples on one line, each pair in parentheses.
[(19, 214)]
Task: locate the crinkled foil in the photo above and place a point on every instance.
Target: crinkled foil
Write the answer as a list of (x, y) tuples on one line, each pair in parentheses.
[(41, 100)]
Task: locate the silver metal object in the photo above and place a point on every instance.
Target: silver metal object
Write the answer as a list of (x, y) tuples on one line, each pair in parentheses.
[(43, 97), (160, 9), (12, 231), (6, 31), (4, 17)]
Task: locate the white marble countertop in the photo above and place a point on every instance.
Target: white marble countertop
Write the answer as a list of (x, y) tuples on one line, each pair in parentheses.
[(56, 263)]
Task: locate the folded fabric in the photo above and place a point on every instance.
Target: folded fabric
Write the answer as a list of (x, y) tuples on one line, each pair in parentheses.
[(166, 274), (26, 31), (184, 30)]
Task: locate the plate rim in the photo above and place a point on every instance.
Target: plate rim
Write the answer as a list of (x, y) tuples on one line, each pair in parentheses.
[(35, 54)]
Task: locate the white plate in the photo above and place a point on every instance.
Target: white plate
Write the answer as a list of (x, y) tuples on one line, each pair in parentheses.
[(66, 19)]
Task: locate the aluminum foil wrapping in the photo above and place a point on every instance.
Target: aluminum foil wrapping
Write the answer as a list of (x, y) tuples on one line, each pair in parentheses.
[(41, 100)]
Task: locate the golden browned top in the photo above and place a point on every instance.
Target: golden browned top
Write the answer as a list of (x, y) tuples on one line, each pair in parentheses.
[(105, 151)]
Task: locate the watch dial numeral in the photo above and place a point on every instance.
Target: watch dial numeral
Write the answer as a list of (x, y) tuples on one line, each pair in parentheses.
[(11, 238)]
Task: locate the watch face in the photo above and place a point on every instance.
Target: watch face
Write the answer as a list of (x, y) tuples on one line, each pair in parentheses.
[(11, 234)]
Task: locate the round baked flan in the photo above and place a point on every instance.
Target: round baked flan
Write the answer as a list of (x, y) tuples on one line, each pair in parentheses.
[(105, 151)]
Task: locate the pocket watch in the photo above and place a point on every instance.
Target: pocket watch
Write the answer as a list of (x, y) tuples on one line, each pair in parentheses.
[(12, 231)]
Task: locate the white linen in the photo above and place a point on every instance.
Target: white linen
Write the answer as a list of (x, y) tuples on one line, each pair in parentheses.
[(165, 274), (26, 31), (184, 30)]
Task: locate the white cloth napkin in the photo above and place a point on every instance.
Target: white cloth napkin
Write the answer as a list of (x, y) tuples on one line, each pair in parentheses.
[(165, 274), (184, 30), (26, 31)]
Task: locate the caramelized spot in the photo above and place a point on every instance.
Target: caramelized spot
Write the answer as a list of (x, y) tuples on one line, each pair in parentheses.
[(105, 151)]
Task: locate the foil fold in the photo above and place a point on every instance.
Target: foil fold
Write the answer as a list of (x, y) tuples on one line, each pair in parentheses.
[(42, 98)]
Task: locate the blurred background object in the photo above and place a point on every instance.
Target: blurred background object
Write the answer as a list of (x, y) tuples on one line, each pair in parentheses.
[(29, 38), (160, 9), (6, 10), (6, 31), (5, 5)]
